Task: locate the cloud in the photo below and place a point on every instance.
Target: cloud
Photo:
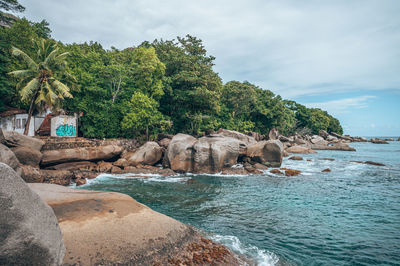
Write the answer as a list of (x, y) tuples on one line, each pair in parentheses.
[(291, 47), (343, 105)]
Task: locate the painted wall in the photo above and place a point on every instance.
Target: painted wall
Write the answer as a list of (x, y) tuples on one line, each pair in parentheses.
[(17, 123), (64, 126)]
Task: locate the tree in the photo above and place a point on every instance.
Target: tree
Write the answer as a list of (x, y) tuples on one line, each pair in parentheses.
[(39, 83), (9, 5), (142, 114)]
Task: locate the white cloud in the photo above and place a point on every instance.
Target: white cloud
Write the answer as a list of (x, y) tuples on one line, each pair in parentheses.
[(341, 106), (291, 47)]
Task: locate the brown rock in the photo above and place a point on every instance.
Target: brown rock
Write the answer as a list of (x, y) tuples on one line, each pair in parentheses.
[(121, 162), (379, 141), (164, 142), (8, 157), (374, 163), (260, 166), (148, 154), (296, 158), (285, 153), (299, 149), (276, 171), (81, 154), (107, 228), (104, 167), (27, 155), (292, 172), (116, 170), (73, 166), (234, 171), (80, 181), (14, 139), (236, 135), (327, 170), (251, 169), (59, 177), (326, 159), (268, 152), (273, 134), (31, 174), (336, 147)]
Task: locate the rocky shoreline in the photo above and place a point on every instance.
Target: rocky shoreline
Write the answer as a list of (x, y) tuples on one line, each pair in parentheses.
[(112, 228)]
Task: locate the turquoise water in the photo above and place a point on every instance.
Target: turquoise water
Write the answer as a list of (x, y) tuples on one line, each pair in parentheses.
[(350, 216)]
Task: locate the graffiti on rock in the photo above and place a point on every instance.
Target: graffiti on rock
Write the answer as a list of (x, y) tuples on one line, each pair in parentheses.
[(66, 131)]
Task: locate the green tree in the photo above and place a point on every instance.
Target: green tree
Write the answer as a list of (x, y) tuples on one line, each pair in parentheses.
[(143, 114), (9, 5), (39, 84)]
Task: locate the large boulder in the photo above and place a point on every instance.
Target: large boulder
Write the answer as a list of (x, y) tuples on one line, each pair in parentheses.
[(236, 135), (336, 147), (29, 231), (179, 155), (299, 149), (31, 174), (269, 152), (273, 134), (107, 228), (8, 157), (14, 139), (323, 134), (73, 166), (148, 154), (27, 155), (215, 152), (81, 154), (318, 140), (59, 177)]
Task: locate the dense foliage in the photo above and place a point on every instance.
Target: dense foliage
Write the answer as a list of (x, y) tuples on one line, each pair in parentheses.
[(160, 86)]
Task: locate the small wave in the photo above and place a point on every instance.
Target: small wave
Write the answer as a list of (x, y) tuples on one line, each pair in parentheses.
[(262, 257)]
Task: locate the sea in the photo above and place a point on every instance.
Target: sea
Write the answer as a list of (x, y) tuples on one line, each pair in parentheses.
[(349, 216)]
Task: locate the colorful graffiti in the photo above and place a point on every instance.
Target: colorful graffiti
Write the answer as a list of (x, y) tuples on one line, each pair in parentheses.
[(66, 131)]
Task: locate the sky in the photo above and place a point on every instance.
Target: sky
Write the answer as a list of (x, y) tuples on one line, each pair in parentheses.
[(342, 56)]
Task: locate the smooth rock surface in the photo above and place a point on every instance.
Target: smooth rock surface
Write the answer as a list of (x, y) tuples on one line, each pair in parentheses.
[(269, 153), (27, 155), (107, 228), (81, 154), (148, 154), (29, 231), (14, 139), (300, 149), (236, 135), (8, 157), (179, 155)]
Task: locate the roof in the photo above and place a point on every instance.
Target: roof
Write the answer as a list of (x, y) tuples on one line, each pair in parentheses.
[(12, 111)]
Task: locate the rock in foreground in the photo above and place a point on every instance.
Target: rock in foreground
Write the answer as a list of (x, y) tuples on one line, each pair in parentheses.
[(107, 228), (29, 232)]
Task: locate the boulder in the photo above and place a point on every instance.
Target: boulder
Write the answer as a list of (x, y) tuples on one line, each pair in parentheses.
[(318, 140), (374, 163), (104, 167), (27, 155), (29, 231), (273, 134), (8, 157), (59, 177), (285, 153), (296, 158), (116, 170), (276, 171), (260, 166), (235, 171), (164, 142), (300, 141), (327, 170), (149, 154), (74, 166), (336, 147), (161, 136), (121, 162), (179, 155), (215, 152), (257, 136), (81, 154), (236, 135), (326, 159), (14, 139), (332, 138), (341, 137), (323, 134), (107, 228), (291, 172), (300, 149), (31, 174), (379, 141), (284, 139), (269, 152)]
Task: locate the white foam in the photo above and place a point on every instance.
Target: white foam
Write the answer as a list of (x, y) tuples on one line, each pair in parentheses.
[(263, 257)]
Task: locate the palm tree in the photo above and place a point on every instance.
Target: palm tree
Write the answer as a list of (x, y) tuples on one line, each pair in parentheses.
[(38, 83)]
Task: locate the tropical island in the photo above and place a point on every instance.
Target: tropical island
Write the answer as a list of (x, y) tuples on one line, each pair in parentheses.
[(155, 109)]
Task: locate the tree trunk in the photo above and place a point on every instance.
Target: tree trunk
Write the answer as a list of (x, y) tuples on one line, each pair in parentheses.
[(147, 133), (26, 131)]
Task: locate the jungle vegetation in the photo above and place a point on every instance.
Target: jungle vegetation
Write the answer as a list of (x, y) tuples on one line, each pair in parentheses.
[(166, 86)]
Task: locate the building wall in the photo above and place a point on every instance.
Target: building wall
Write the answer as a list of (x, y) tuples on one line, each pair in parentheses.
[(17, 123), (64, 126)]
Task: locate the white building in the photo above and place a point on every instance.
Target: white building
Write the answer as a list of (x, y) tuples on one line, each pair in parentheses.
[(14, 119)]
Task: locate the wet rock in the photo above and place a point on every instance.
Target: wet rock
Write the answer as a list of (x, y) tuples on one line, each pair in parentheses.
[(59, 177), (260, 166), (269, 152), (300, 149), (292, 172), (327, 170), (379, 141), (29, 231), (148, 154), (104, 167), (27, 155), (121, 162), (80, 181), (116, 170), (81, 154), (326, 159), (276, 171), (296, 158), (336, 147), (374, 163), (234, 171)]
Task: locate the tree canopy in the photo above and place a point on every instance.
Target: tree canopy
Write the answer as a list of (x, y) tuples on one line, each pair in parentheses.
[(160, 86)]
